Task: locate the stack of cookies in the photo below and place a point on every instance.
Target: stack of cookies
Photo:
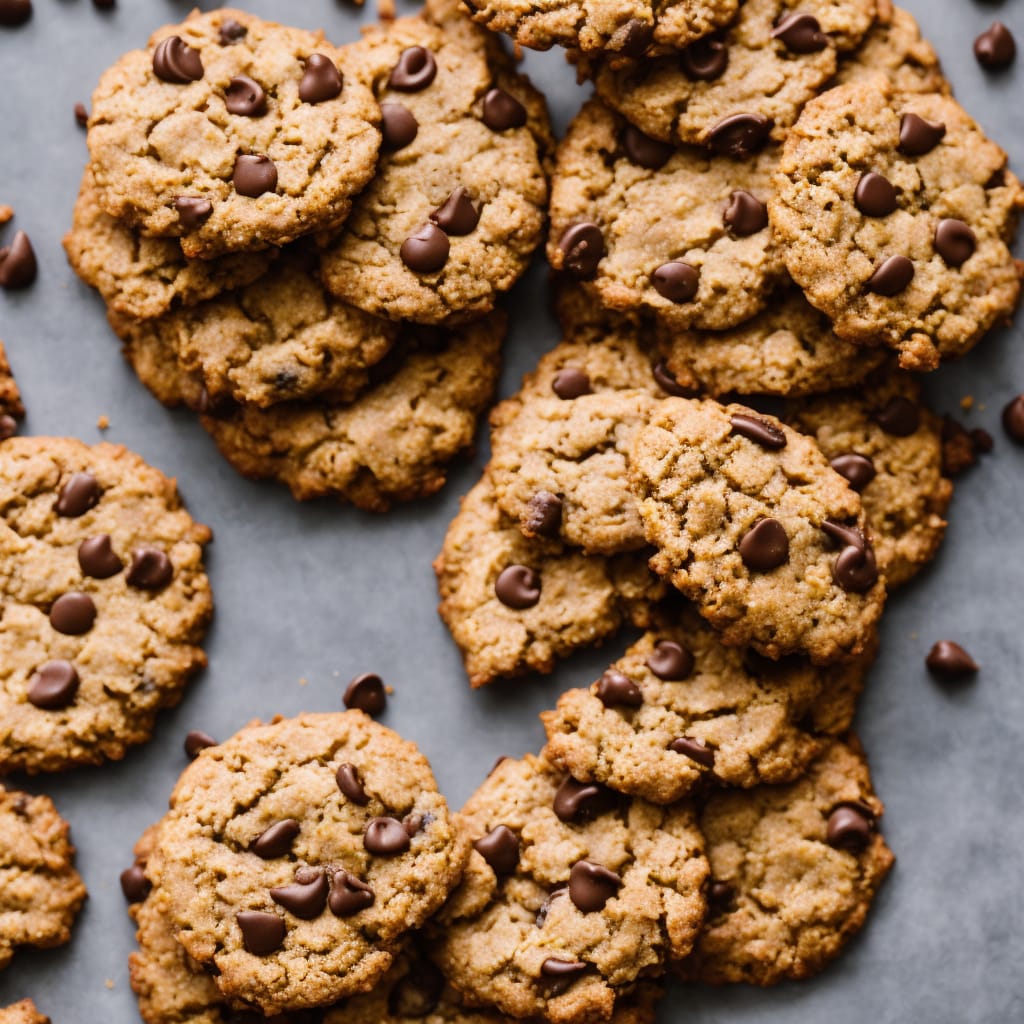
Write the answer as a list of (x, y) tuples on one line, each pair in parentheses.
[(305, 243)]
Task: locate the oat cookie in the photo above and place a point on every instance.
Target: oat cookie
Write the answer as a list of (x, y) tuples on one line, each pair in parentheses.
[(794, 872), (105, 601), (233, 133), (297, 854), (896, 213), (40, 890), (571, 894), (11, 409), (24, 1012), (663, 229), (754, 526)]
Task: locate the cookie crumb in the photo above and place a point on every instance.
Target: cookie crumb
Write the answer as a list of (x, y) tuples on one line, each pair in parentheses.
[(967, 403), (103, 423), (109, 983), (385, 9), (6, 213)]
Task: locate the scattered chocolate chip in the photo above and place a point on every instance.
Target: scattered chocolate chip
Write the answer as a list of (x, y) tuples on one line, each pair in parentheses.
[(591, 886), (744, 214), (81, 115), (900, 417), (254, 175), (261, 933), (761, 432), (859, 470), (995, 48), (561, 972), (517, 587), (955, 242), (705, 60), (151, 569), (398, 126), (545, 907), (53, 685), (245, 97), (415, 70), (321, 80), (950, 661), (176, 62), (671, 661), (800, 33), (875, 195), (616, 690), (18, 267), (351, 785), (666, 380), (645, 151), (500, 848), (80, 493), (385, 837), (694, 749), (850, 827), (571, 382), (676, 281), (739, 135), (418, 993), (582, 248), (97, 558), (891, 277), (582, 801), (427, 250), (231, 32), (720, 894), (192, 211), (918, 136), (1013, 419), (306, 897), (457, 215), (196, 741), (855, 568), (636, 36), (73, 614), (15, 12), (764, 546), (349, 894), (543, 515), (134, 884), (502, 111), (276, 841), (8, 426), (366, 693)]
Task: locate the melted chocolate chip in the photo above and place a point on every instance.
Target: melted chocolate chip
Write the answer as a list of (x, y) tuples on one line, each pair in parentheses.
[(81, 115), (80, 493), (517, 587), (720, 894), (397, 125), (696, 750), (306, 897), (900, 417), (192, 211), (955, 242), (96, 557), (582, 801), (875, 195), (765, 546), (676, 281), (545, 907), (134, 884), (457, 215), (502, 111), (995, 48), (918, 136), (761, 432), (636, 36), (427, 250), (616, 690), (195, 741), (385, 837), (666, 380), (8, 426), (231, 32), (950, 661), (800, 33), (500, 848), (18, 267), (740, 135), (744, 214), (1013, 419), (543, 515), (349, 894), (321, 81), (591, 886), (245, 97), (415, 70), (276, 841), (73, 614), (176, 62), (850, 827), (254, 175), (366, 693), (859, 470), (891, 277), (15, 12), (582, 248), (571, 382), (645, 151), (671, 661), (704, 60), (151, 569), (561, 973), (53, 686), (351, 785), (855, 569), (261, 933)]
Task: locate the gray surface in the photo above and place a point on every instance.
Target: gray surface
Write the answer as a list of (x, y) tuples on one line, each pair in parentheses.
[(320, 592)]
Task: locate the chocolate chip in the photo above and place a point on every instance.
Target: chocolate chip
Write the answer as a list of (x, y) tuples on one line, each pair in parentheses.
[(705, 60), (53, 685), (366, 693), (502, 111), (562, 972), (151, 569), (800, 33), (855, 568), (545, 907), (261, 933), (720, 894), (955, 242), (18, 267), (276, 841), (134, 884), (457, 215), (765, 546), (81, 115), (231, 32), (670, 661), (843, 535), (196, 741), (739, 135), (80, 493), (398, 126), (543, 515), (761, 432), (875, 195), (995, 48), (850, 827), (517, 587), (15, 12), (415, 70), (582, 801), (349, 894), (636, 36), (1013, 419), (645, 151), (900, 417), (950, 661), (245, 97), (254, 175), (500, 848), (694, 749), (427, 250), (192, 211), (616, 690), (918, 136), (571, 382), (859, 470), (176, 62), (385, 837), (73, 614), (96, 557), (582, 248), (891, 277), (351, 785), (676, 281), (744, 214), (306, 897), (321, 80), (666, 380), (418, 993), (8, 426), (591, 886)]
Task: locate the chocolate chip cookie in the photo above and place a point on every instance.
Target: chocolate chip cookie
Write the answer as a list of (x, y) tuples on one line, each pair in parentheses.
[(296, 855), (571, 894), (794, 869), (11, 409), (41, 892), (897, 213), (233, 133), (753, 525), (105, 601), (24, 1012), (661, 228)]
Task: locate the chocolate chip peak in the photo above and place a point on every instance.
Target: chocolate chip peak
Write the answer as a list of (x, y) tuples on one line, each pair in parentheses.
[(855, 568), (582, 801), (765, 546), (398, 126), (744, 214), (192, 211), (615, 689), (761, 432), (254, 175), (875, 195), (245, 97), (645, 151), (502, 111), (995, 48), (350, 785), (800, 33), (517, 587), (415, 70), (705, 60), (739, 135), (261, 933), (543, 516), (73, 614), (321, 80), (696, 750), (859, 470), (427, 250), (918, 136), (676, 281), (53, 686), (151, 569), (955, 242), (134, 884), (670, 661), (196, 740), (571, 382), (457, 215), (385, 837), (306, 897), (349, 894), (500, 848), (891, 277), (949, 660), (97, 558), (81, 492), (366, 693), (276, 841), (582, 248), (18, 266), (176, 62), (592, 885), (850, 826)]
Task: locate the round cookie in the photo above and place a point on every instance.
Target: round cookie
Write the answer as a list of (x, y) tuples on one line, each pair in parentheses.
[(11, 409), (105, 601), (795, 870), (571, 894), (897, 465), (896, 212), (40, 890), (669, 230), (23, 1012), (679, 709), (734, 91), (457, 205), (144, 277), (233, 133), (753, 525), (297, 854)]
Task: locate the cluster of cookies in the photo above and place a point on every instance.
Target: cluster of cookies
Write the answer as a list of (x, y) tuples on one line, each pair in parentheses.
[(305, 243)]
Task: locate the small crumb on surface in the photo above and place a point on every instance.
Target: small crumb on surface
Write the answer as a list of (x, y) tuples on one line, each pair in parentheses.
[(967, 402), (103, 423), (6, 213)]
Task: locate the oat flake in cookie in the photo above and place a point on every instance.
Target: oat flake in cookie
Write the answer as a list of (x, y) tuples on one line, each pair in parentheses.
[(105, 601)]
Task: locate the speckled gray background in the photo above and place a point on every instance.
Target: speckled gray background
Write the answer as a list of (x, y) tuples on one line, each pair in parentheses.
[(308, 596)]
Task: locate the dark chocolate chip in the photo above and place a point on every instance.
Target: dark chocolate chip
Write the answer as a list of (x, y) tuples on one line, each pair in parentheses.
[(676, 281), (502, 111), (720, 894), (562, 973), (950, 661), (744, 214), (427, 250), (859, 470), (582, 248), (765, 546), (254, 175), (53, 685), (666, 380), (995, 48), (73, 614), (694, 749), (351, 785), (843, 535), (875, 195), (196, 741), (855, 568), (671, 661), (761, 432), (900, 417), (415, 70), (15, 12), (457, 215), (850, 827), (636, 36), (418, 993), (97, 558), (176, 62), (349, 894), (245, 97), (366, 693), (500, 848), (397, 125), (918, 136), (261, 933), (151, 569), (231, 32), (134, 884), (616, 690), (8, 426), (543, 515), (891, 277), (545, 907), (192, 211), (276, 841), (645, 151), (321, 80), (81, 115), (955, 242), (591, 886), (705, 60), (517, 587), (18, 267), (582, 801), (306, 897), (571, 382), (80, 493), (800, 33), (739, 135), (1013, 419), (385, 837)]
